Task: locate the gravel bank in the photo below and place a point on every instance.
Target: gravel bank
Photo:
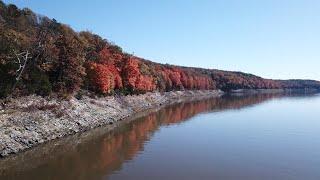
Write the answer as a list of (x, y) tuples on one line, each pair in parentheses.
[(32, 120)]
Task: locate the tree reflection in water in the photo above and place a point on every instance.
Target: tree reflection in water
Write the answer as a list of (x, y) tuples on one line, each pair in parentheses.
[(102, 154)]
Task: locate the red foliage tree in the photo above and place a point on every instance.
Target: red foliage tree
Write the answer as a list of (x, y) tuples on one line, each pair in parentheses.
[(133, 77), (103, 75)]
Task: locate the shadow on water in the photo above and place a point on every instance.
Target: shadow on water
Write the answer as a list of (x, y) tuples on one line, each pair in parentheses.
[(99, 153)]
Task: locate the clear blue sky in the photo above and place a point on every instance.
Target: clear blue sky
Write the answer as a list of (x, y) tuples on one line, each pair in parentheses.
[(271, 38)]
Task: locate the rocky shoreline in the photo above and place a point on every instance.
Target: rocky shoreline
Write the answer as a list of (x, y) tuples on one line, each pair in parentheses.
[(32, 120)]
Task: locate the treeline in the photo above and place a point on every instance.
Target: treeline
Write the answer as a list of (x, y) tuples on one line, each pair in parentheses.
[(39, 55)]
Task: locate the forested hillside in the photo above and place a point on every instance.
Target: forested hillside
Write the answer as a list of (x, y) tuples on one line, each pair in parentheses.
[(41, 56)]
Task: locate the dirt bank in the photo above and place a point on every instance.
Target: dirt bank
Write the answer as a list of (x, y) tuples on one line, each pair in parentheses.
[(28, 121)]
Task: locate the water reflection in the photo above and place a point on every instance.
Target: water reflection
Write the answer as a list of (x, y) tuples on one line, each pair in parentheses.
[(100, 153)]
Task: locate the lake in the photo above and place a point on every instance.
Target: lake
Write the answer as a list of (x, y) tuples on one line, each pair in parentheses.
[(265, 136)]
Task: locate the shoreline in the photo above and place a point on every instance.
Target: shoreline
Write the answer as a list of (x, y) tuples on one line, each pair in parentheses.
[(33, 120), (29, 121)]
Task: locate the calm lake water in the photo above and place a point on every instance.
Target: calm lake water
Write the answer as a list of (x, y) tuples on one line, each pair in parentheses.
[(233, 137)]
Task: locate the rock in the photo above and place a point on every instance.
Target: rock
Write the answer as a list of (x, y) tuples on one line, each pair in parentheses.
[(32, 120)]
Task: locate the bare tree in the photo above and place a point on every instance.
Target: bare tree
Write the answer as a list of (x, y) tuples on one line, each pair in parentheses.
[(22, 59)]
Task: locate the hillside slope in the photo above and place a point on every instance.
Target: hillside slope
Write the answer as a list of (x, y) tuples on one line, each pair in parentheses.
[(41, 56)]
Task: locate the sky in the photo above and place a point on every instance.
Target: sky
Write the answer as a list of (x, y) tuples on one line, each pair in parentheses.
[(277, 39)]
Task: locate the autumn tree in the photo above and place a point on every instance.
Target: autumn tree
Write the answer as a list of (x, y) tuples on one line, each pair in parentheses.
[(40, 55), (68, 70)]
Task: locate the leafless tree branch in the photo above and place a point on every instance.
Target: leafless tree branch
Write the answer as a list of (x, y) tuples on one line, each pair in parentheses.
[(22, 61)]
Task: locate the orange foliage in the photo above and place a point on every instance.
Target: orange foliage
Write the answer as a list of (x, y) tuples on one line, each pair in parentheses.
[(104, 75), (134, 78)]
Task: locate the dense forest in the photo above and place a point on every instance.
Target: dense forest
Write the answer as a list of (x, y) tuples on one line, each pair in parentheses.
[(41, 56)]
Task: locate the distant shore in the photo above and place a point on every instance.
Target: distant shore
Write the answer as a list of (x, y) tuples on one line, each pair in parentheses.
[(255, 91)]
